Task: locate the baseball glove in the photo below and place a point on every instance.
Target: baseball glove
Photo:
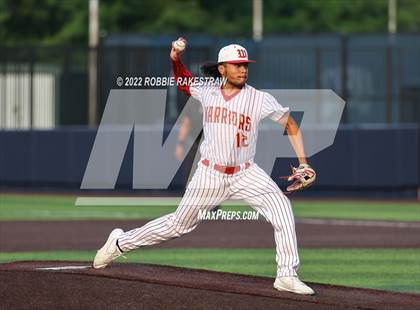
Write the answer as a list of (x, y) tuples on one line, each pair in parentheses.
[(302, 177)]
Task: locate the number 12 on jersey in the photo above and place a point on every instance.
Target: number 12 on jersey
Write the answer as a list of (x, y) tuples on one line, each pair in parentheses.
[(241, 140)]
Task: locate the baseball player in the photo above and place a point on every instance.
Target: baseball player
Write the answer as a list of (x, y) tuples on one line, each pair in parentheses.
[(231, 114)]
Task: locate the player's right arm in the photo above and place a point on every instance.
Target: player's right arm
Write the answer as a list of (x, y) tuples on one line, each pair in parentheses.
[(179, 70)]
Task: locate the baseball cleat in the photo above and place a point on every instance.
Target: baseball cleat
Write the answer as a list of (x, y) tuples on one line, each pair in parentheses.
[(109, 251), (292, 284)]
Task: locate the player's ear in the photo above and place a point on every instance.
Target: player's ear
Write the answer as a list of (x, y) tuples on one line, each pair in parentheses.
[(222, 69)]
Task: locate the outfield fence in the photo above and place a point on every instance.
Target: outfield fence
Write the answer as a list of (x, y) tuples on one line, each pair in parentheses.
[(364, 161)]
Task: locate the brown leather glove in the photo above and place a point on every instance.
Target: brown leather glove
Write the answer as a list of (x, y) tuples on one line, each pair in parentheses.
[(302, 177)]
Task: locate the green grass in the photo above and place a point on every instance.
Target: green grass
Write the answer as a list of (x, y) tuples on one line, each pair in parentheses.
[(387, 269), (45, 207), (357, 210)]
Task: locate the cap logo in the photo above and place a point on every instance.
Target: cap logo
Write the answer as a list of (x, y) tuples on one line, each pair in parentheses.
[(241, 53), (233, 53)]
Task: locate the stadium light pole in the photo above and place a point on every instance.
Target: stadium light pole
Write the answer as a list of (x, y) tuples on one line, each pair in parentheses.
[(93, 56), (257, 20), (392, 16)]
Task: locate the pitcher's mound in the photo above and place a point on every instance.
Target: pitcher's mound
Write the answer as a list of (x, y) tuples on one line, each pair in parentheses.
[(75, 285)]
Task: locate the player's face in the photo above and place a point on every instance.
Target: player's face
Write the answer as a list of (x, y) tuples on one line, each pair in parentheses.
[(236, 74)]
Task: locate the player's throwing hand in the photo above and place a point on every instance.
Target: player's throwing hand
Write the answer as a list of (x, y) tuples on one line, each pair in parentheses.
[(178, 47)]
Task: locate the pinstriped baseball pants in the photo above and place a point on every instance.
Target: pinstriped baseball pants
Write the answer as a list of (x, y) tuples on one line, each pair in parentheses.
[(209, 188)]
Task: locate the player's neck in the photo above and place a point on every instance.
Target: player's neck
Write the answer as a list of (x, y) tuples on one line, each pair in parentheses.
[(229, 88)]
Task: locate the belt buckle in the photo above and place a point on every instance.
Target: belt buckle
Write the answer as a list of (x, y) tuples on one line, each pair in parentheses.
[(230, 170)]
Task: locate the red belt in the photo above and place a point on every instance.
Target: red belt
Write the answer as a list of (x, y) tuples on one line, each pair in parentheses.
[(225, 169)]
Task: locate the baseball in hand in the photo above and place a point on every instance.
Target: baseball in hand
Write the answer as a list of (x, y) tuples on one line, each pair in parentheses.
[(179, 45)]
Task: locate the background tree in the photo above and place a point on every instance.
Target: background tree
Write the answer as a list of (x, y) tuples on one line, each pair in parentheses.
[(66, 21)]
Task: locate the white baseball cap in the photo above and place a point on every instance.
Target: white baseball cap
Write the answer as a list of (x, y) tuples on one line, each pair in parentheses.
[(233, 54)]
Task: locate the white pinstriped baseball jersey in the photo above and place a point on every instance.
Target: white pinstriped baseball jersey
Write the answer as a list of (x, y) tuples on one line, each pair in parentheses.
[(230, 124)]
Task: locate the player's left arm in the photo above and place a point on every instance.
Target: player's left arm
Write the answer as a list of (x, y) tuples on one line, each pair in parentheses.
[(295, 137), (304, 175)]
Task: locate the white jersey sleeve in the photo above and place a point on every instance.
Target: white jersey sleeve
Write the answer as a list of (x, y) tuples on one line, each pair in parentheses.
[(273, 109), (196, 91)]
